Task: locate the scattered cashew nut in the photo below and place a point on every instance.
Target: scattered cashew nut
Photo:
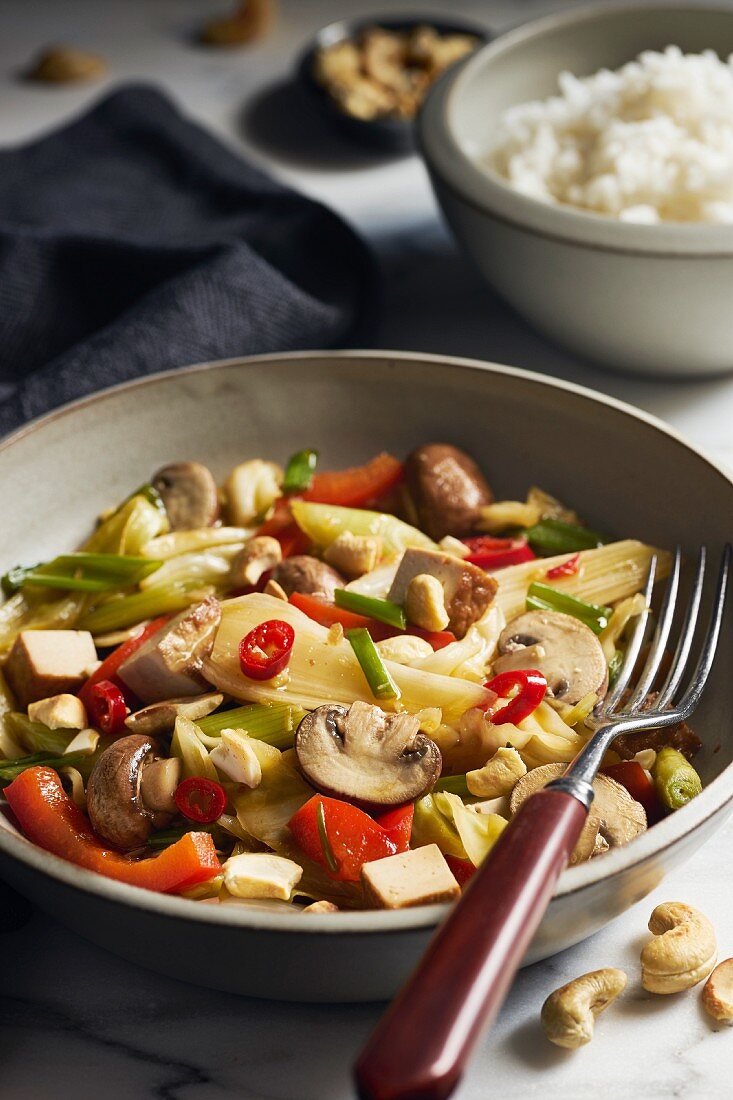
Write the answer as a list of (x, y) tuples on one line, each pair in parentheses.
[(425, 603), (683, 950), (569, 1014), (66, 65), (255, 558), (498, 775), (354, 555), (717, 994), (251, 20)]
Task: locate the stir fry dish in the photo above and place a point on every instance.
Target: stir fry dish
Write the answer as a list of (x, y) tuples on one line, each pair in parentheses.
[(321, 689)]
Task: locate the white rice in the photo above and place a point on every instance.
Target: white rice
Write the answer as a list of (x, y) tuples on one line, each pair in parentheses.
[(651, 142)]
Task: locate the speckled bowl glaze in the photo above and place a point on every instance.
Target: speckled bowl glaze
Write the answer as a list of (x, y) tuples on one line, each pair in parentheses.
[(621, 469), (653, 299)]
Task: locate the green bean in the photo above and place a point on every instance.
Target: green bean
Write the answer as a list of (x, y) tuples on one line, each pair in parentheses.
[(675, 779)]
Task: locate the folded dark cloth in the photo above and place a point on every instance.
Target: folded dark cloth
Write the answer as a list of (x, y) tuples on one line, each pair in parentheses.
[(132, 241)]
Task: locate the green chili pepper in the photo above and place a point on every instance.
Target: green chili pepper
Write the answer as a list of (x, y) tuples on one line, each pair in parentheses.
[(299, 472), (675, 779)]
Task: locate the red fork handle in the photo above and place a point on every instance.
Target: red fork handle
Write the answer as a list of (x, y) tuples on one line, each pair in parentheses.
[(421, 1045)]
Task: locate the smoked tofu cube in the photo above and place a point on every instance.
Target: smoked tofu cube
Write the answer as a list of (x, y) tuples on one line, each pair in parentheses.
[(261, 875), (468, 590), (168, 664), (49, 662), (418, 877)]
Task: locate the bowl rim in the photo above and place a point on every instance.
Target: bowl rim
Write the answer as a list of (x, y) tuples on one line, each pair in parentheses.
[(489, 194), (713, 800)]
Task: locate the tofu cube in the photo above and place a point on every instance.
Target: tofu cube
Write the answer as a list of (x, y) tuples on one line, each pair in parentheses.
[(49, 662), (59, 712), (468, 591), (261, 875), (418, 877)]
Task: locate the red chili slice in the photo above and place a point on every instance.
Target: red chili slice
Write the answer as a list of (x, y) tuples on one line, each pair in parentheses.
[(490, 553), (532, 688), (106, 707), (265, 651), (200, 800), (565, 569)]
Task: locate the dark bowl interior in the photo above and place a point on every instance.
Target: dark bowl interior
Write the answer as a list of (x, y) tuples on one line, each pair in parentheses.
[(388, 134)]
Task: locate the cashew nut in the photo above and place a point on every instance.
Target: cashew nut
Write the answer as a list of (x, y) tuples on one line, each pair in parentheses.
[(405, 649), (320, 907), (683, 950), (425, 603), (717, 996), (569, 1014), (354, 555), (255, 558), (272, 588), (498, 775)]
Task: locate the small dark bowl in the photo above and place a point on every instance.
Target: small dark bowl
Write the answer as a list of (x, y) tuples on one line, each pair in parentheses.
[(388, 134)]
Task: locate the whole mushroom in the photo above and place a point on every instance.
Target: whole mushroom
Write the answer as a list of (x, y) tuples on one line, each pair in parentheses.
[(130, 791), (361, 753), (189, 493), (564, 649), (306, 574), (447, 489)]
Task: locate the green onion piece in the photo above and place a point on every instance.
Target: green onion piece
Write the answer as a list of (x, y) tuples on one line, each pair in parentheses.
[(323, 837), (553, 536), (36, 737), (82, 572), (11, 769), (454, 784), (274, 724), (127, 610), (299, 472), (381, 684), (614, 667), (383, 610), (543, 597)]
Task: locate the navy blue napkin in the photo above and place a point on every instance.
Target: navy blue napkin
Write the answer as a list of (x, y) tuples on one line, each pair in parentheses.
[(132, 241)]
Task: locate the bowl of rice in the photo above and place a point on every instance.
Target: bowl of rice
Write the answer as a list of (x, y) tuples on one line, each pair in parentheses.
[(585, 163)]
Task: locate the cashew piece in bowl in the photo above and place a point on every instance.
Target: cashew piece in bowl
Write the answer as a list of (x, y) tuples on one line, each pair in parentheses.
[(569, 1014), (717, 995), (683, 950)]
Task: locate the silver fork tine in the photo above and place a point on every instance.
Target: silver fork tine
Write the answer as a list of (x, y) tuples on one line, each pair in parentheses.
[(682, 653), (659, 641), (636, 641), (702, 670)]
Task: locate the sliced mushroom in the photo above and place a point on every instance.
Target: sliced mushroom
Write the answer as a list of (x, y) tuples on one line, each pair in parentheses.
[(614, 814), (308, 575), (467, 590), (115, 802), (447, 488), (573, 661), (365, 755), (168, 665), (161, 717), (189, 493)]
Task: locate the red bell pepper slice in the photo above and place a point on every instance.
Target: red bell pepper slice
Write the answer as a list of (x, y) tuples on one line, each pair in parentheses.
[(463, 870), (631, 775), (565, 569), (51, 820), (397, 824), (532, 688), (358, 485), (106, 707), (265, 651), (108, 668), (490, 553), (200, 800), (327, 614), (283, 527), (346, 839)]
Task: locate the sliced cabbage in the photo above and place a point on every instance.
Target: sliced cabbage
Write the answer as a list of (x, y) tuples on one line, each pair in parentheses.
[(468, 657), (478, 832), (325, 522), (251, 490), (200, 538)]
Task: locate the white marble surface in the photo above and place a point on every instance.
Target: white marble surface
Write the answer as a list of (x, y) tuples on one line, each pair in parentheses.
[(75, 1021)]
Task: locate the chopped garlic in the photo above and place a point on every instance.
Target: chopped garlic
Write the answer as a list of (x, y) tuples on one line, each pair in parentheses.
[(235, 757), (261, 875)]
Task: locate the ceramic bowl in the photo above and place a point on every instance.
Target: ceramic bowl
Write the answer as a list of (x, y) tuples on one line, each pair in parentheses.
[(622, 470), (387, 134), (653, 299)]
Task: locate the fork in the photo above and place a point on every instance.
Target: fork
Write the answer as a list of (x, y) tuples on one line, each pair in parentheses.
[(421, 1046)]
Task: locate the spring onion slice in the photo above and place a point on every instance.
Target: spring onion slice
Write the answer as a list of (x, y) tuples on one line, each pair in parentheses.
[(82, 572), (299, 472), (454, 784), (554, 536), (274, 724), (128, 610), (383, 610), (543, 597), (381, 684), (323, 837), (614, 667), (11, 769)]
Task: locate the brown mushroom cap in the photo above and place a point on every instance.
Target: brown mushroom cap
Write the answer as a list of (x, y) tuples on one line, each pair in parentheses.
[(303, 573), (189, 493), (573, 661), (365, 755), (114, 803), (614, 814), (447, 488)]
